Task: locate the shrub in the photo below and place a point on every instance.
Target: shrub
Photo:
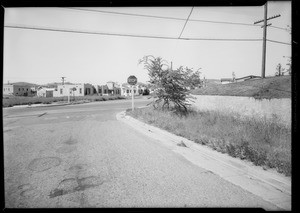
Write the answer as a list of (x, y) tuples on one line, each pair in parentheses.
[(171, 86)]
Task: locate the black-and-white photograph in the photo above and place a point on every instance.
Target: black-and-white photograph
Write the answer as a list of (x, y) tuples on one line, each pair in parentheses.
[(148, 106)]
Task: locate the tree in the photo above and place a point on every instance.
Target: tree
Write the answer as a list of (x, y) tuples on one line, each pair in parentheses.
[(279, 70), (289, 63), (170, 86), (192, 78)]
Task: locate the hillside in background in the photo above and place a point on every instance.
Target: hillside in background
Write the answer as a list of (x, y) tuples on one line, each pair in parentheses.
[(268, 88), (24, 84)]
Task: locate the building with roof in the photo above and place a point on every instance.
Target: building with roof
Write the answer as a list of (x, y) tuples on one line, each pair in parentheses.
[(17, 90), (74, 90), (138, 89), (227, 80), (45, 92), (247, 78)]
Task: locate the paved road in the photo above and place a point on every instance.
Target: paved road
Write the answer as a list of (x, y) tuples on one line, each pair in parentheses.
[(81, 156)]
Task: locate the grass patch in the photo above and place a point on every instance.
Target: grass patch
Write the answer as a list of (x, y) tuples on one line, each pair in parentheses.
[(267, 88), (9, 101), (264, 142)]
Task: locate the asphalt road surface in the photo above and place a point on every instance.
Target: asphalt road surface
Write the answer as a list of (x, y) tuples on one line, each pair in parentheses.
[(81, 156)]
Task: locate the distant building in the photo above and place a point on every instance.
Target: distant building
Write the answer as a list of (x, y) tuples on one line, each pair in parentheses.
[(247, 78), (8, 89), (227, 80), (79, 90), (45, 92), (138, 89), (110, 88), (113, 88), (17, 90)]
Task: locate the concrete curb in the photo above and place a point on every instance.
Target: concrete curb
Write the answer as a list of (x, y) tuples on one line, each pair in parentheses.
[(43, 105), (267, 184)]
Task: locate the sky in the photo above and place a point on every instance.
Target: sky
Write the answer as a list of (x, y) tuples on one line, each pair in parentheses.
[(43, 56)]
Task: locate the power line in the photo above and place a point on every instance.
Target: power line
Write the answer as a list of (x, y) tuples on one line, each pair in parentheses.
[(279, 42), (162, 17), (127, 14), (222, 39), (86, 32), (124, 35), (186, 22), (281, 28)]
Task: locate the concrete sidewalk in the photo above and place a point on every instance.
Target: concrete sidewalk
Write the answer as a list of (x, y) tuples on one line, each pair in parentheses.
[(267, 184)]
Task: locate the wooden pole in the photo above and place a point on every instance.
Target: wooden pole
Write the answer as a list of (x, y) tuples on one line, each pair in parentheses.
[(263, 69), (132, 95)]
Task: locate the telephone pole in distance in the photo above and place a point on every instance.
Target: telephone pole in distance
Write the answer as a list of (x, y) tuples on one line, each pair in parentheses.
[(63, 80), (263, 69)]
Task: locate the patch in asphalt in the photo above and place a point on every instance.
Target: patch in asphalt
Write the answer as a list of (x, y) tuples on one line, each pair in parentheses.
[(28, 191), (70, 141), (43, 164), (25, 186), (71, 185), (66, 149), (78, 167)]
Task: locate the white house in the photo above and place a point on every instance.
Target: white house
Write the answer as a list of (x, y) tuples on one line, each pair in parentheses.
[(67, 89), (45, 92), (17, 90), (126, 89)]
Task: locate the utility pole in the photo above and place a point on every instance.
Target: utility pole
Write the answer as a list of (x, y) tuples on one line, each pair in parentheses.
[(68, 90), (63, 80), (263, 69)]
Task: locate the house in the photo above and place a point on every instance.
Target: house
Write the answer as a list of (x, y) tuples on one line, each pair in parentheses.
[(17, 90), (138, 89), (45, 92), (110, 88), (247, 78), (227, 80), (73, 90), (113, 88), (8, 89)]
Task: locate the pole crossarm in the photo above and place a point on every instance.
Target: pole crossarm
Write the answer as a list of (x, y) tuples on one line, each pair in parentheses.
[(276, 16), (267, 25)]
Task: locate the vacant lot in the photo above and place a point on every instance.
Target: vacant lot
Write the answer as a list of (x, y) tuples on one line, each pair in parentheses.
[(268, 88), (264, 142), (9, 101)]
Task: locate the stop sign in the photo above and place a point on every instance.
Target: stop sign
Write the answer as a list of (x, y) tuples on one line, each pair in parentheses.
[(132, 80)]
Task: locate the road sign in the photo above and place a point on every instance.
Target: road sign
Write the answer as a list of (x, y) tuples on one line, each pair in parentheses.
[(132, 80)]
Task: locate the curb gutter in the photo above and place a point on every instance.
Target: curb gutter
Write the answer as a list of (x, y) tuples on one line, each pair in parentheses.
[(269, 185)]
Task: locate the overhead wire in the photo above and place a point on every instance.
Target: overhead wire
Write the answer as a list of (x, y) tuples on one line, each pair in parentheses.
[(124, 35), (173, 18), (163, 17), (281, 28), (138, 36), (279, 42), (186, 22)]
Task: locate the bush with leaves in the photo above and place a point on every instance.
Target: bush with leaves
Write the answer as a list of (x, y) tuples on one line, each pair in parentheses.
[(170, 86)]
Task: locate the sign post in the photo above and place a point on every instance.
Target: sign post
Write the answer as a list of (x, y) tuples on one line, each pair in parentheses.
[(132, 98), (69, 95), (132, 80)]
